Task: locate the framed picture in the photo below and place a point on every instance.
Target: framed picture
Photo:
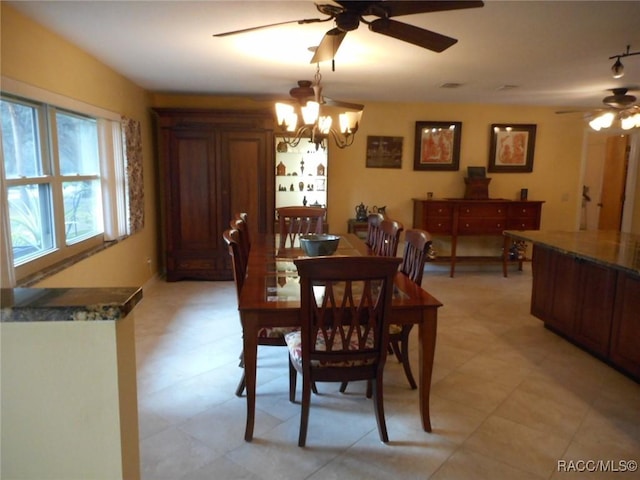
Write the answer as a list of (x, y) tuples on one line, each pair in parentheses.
[(437, 146), (320, 184), (384, 152), (511, 148)]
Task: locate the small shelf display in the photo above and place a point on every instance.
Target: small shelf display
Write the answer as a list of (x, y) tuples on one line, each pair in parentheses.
[(301, 174)]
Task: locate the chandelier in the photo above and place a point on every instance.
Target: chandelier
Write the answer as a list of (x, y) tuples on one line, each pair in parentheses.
[(312, 116)]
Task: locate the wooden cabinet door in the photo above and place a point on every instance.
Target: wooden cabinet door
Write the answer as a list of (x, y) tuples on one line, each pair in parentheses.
[(192, 191), (248, 177), (596, 295), (563, 306), (625, 335), (543, 269)]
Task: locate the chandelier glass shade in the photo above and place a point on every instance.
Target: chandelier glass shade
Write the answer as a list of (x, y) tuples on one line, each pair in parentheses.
[(313, 117)]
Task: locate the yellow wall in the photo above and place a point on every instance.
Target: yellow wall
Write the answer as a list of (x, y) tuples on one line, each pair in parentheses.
[(36, 56), (555, 176)]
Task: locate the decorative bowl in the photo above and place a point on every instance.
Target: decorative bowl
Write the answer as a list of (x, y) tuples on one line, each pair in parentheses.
[(316, 245)]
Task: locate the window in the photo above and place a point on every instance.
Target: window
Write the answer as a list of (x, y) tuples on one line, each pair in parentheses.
[(57, 182)]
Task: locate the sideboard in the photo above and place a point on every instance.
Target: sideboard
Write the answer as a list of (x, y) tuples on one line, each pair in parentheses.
[(456, 216)]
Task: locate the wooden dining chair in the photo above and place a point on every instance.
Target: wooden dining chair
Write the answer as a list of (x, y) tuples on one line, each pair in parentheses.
[(417, 244), (240, 223), (296, 221), (416, 248), (273, 336), (345, 306), (373, 227), (244, 216), (388, 237)]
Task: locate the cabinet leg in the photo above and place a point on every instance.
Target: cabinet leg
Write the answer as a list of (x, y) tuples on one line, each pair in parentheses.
[(505, 256), (454, 247)]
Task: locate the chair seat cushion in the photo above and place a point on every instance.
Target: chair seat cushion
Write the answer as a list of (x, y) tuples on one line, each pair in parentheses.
[(294, 344), (275, 332)]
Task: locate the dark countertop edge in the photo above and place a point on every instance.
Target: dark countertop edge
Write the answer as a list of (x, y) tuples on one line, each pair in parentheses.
[(522, 235), (41, 306)]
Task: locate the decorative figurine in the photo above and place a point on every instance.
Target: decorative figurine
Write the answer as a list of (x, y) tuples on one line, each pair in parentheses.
[(361, 213)]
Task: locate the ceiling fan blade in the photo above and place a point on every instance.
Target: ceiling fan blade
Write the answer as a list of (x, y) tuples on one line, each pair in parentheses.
[(328, 46), (399, 8), (577, 110), (411, 34), (300, 22), (339, 103)]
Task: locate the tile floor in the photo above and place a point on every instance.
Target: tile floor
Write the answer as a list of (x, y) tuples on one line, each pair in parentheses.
[(510, 400)]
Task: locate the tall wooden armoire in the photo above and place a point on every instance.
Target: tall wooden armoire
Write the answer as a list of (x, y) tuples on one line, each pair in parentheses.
[(213, 164)]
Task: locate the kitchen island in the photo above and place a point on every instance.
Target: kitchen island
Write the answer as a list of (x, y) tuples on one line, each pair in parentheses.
[(586, 287), (69, 394)]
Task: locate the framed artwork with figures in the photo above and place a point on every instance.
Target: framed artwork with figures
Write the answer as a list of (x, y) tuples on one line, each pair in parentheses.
[(437, 146), (511, 148)]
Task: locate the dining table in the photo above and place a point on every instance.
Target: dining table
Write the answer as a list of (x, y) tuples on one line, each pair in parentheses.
[(270, 297)]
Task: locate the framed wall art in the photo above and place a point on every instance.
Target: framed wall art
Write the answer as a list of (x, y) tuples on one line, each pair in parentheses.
[(437, 146), (511, 148), (384, 152)]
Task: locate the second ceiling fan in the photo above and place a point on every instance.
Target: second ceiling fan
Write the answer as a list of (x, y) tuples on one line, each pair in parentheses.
[(349, 14)]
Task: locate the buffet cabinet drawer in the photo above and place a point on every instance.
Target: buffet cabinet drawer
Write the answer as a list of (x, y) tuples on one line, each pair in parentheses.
[(439, 209), (438, 225), (490, 210), (522, 224), (522, 210), (481, 226)]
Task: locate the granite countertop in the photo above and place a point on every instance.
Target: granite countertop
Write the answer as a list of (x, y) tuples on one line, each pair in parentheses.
[(67, 304), (610, 248)]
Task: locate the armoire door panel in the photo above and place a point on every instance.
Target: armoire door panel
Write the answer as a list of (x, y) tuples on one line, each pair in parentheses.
[(248, 174), (194, 180)]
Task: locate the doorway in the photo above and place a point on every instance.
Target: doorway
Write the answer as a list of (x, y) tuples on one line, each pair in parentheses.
[(609, 181)]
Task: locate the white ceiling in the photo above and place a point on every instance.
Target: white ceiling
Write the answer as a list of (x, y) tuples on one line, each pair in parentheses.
[(555, 52)]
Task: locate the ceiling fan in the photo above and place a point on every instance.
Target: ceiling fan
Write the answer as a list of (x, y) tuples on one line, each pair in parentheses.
[(349, 14), (620, 99), (620, 105)]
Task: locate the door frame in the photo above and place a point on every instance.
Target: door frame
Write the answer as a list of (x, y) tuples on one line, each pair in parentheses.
[(632, 174)]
